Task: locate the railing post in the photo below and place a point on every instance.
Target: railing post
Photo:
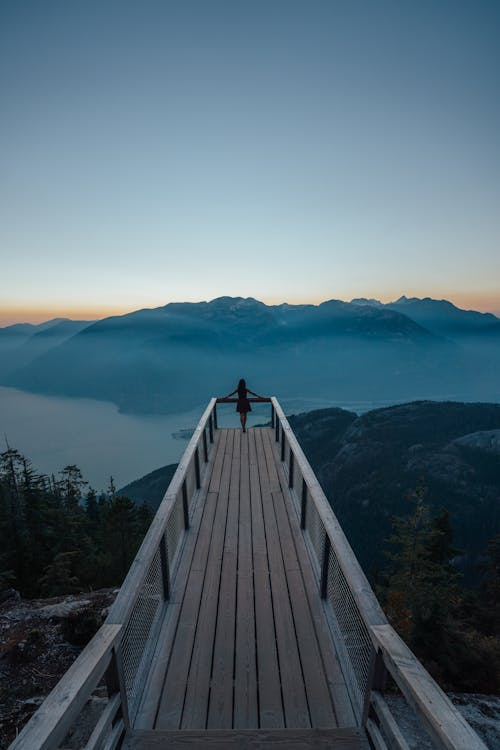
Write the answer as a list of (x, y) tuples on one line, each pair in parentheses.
[(211, 428), (303, 505), (272, 416), (197, 468), (282, 443), (377, 679), (185, 506), (115, 683), (205, 448), (165, 573), (215, 417), (290, 469), (277, 430), (324, 567)]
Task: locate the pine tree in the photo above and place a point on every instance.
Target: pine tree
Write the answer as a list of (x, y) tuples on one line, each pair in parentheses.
[(58, 578), (421, 585)]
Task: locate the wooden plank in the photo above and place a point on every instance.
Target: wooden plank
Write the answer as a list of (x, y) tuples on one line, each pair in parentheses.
[(317, 688), (395, 739), (48, 726), (198, 673), (375, 735), (201, 529), (103, 726), (115, 736), (245, 669), (440, 718), (220, 444), (269, 687), (338, 690), (220, 709), (260, 739), (172, 700), (293, 689)]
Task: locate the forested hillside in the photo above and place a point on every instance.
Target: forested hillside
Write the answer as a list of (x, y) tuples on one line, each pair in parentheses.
[(369, 465), (58, 536)]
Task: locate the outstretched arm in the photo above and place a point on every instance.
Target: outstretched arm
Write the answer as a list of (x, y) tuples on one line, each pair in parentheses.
[(230, 394), (254, 394)]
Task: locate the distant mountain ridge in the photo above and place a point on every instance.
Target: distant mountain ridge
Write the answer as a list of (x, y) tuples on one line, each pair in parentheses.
[(173, 357), (441, 316), (22, 343)]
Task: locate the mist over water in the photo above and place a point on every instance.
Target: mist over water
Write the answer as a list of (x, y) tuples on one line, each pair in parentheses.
[(54, 432)]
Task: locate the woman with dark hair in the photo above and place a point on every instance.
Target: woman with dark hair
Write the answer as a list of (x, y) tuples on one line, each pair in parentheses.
[(243, 405)]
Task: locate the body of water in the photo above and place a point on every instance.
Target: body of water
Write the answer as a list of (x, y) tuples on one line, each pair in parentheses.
[(54, 432)]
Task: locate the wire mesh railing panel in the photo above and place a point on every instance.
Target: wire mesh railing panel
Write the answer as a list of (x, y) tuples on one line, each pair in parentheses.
[(136, 639), (296, 477), (297, 491), (316, 531), (357, 651), (175, 528), (191, 483)]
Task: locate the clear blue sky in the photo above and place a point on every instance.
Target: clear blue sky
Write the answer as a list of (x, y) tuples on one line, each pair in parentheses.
[(153, 151)]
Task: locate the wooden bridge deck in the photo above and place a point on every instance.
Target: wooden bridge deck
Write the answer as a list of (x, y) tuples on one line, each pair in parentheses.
[(246, 644)]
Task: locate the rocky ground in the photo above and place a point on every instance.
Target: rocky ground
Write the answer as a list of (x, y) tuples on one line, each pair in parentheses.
[(39, 640), (481, 711)]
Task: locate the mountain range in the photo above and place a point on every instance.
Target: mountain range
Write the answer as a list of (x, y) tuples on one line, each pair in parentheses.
[(174, 357)]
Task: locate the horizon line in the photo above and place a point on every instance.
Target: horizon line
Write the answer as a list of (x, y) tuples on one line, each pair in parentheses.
[(38, 315)]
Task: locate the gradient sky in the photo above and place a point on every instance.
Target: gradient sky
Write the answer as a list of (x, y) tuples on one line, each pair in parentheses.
[(153, 151)]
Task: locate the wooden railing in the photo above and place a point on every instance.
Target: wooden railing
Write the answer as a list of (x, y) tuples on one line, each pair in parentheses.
[(367, 646), (120, 653)]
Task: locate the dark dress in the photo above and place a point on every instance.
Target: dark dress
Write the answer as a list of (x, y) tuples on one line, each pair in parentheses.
[(243, 405)]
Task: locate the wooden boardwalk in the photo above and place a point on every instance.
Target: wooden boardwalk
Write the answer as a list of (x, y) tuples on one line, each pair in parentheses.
[(219, 635), (246, 644)]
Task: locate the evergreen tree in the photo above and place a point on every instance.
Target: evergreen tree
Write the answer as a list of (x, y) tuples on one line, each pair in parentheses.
[(421, 584), (58, 578), (54, 525)]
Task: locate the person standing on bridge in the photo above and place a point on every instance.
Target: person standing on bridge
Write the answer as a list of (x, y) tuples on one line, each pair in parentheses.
[(243, 404)]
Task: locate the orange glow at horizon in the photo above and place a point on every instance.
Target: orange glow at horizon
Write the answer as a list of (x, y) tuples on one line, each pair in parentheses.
[(34, 314)]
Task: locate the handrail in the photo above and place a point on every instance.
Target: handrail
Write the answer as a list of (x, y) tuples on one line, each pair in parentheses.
[(444, 722), (123, 647), (367, 645), (256, 400), (49, 725)]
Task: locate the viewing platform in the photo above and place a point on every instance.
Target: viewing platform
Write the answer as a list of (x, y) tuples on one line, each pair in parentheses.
[(245, 621)]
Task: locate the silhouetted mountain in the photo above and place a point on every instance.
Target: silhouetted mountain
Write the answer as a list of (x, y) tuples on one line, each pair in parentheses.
[(368, 469), (174, 357), (444, 318), (20, 344)]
